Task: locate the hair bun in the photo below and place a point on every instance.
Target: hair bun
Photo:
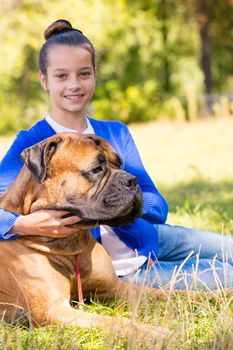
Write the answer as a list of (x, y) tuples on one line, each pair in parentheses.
[(56, 27)]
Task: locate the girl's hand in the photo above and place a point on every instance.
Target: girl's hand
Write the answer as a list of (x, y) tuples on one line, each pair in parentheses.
[(48, 223)]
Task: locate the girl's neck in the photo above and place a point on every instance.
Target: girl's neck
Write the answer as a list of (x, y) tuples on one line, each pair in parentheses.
[(70, 121)]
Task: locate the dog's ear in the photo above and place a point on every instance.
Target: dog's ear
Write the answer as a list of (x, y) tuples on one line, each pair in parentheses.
[(37, 157), (112, 156)]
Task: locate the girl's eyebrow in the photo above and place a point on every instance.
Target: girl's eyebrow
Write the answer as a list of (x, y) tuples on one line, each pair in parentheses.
[(58, 69), (64, 69)]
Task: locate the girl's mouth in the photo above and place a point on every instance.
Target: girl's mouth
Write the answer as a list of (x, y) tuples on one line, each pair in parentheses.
[(74, 97)]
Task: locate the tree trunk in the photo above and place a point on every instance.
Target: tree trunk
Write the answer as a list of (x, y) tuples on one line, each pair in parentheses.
[(203, 19), (163, 11)]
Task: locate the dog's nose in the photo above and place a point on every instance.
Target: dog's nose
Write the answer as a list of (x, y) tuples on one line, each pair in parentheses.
[(129, 181), (132, 182)]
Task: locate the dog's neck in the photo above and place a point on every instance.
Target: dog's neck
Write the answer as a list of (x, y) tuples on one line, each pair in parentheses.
[(67, 246)]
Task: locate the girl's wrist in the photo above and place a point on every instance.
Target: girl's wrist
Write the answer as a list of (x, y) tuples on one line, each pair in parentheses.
[(19, 227)]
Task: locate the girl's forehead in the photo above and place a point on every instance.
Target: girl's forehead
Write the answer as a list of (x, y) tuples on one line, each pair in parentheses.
[(62, 56)]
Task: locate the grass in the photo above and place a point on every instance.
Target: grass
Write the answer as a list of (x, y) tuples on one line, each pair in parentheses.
[(191, 165)]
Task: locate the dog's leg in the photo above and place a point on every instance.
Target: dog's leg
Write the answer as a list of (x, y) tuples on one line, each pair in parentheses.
[(62, 313), (55, 308), (103, 280)]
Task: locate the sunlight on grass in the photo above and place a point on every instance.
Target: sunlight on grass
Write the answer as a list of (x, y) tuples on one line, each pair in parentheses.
[(195, 322), (192, 166), (179, 152)]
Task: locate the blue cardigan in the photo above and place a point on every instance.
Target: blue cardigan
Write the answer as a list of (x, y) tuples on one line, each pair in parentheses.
[(140, 235)]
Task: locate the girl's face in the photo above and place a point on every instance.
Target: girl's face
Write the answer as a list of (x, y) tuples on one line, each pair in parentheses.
[(70, 80)]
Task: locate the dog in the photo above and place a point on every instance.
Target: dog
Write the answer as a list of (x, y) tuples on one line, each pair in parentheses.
[(81, 174)]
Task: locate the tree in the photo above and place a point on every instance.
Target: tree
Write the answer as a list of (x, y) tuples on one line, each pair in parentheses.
[(149, 54), (214, 21)]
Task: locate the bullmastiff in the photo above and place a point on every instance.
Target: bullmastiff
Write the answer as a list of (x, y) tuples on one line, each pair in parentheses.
[(82, 175)]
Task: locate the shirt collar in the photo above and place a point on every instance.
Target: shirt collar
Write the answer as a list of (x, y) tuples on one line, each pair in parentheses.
[(60, 128)]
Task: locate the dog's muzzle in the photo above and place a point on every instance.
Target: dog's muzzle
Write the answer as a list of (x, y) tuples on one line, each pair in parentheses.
[(119, 202)]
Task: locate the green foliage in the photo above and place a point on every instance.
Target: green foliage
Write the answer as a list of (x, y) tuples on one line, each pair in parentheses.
[(148, 56)]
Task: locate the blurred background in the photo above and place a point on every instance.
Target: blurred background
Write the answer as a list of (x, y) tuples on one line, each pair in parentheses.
[(156, 58)]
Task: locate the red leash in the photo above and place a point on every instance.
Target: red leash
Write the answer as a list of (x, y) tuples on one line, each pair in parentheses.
[(79, 283)]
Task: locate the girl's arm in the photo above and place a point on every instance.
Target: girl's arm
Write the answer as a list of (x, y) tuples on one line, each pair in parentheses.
[(155, 208), (10, 166)]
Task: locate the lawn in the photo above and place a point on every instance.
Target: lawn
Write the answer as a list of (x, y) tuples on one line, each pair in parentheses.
[(192, 165)]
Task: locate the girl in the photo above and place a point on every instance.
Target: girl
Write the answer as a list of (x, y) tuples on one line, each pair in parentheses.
[(68, 75)]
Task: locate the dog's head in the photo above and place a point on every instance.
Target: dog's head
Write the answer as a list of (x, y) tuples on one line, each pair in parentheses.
[(82, 174)]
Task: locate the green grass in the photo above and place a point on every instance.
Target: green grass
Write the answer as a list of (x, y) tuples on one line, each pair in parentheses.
[(192, 165), (206, 323)]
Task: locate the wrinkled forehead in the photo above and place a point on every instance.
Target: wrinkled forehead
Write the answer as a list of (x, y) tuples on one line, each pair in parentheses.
[(79, 151)]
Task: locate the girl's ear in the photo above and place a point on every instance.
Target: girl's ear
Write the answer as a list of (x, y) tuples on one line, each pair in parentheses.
[(43, 81)]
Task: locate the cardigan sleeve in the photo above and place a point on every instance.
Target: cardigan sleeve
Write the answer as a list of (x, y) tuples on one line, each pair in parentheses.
[(10, 166), (155, 208)]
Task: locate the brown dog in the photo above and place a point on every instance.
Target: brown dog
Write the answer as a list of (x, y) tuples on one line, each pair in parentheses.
[(80, 174)]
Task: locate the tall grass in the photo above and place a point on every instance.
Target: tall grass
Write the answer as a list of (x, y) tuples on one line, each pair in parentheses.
[(192, 165)]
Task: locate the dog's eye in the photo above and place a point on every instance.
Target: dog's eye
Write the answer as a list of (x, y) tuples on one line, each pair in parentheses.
[(97, 170)]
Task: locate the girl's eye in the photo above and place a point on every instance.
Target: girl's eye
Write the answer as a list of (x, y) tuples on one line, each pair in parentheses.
[(60, 76), (85, 74)]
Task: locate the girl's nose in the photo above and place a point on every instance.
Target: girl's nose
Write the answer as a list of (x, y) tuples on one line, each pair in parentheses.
[(74, 84)]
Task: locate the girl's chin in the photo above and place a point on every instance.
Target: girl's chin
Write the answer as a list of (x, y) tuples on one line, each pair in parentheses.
[(74, 110)]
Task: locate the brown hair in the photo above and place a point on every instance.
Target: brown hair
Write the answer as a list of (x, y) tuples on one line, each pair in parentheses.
[(61, 32)]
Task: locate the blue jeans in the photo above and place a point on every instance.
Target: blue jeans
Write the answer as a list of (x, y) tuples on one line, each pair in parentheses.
[(190, 259)]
